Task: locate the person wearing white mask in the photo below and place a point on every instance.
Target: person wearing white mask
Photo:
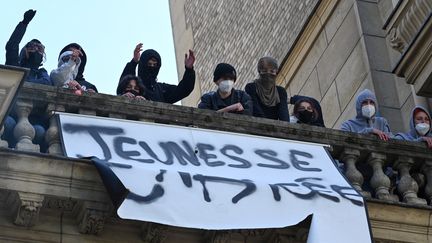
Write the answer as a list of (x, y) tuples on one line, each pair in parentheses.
[(226, 98), (420, 129), (367, 121)]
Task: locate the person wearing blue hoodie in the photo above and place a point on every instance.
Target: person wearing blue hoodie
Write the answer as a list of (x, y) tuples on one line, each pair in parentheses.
[(366, 120), (420, 130), (31, 56)]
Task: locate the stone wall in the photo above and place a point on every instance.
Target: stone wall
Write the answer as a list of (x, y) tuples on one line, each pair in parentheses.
[(236, 32), (348, 53)]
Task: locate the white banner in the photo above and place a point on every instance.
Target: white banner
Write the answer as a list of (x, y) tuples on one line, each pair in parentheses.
[(207, 179)]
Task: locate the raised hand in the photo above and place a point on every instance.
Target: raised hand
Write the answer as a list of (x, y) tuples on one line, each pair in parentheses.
[(189, 60), (28, 16), (137, 52)]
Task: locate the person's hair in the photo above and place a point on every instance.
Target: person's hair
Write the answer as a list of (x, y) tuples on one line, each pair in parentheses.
[(297, 105), (125, 81), (267, 60)]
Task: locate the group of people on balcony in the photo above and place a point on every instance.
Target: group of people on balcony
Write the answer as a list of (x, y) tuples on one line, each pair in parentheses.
[(261, 97)]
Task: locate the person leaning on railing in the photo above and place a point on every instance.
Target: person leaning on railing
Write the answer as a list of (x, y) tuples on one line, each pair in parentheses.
[(131, 86), (226, 98), (420, 130), (366, 120)]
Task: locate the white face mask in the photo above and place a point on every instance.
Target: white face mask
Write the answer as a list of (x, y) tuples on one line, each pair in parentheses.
[(226, 86), (368, 111), (422, 128)]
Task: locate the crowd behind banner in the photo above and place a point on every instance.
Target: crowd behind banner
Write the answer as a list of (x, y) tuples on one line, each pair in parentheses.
[(261, 97)]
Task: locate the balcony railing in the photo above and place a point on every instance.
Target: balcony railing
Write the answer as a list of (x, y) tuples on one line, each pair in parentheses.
[(393, 172)]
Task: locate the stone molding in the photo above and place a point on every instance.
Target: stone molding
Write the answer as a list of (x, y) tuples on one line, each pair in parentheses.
[(406, 22)]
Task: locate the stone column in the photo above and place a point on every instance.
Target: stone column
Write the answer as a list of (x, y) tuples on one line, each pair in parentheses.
[(24, 131), (427, 170), (379, 181), (350, 158), (52, 135), (407, 186)]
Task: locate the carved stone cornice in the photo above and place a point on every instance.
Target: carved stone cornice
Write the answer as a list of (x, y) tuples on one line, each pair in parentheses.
[(407, 21), (61, 204), (91, 217), (26, 208)]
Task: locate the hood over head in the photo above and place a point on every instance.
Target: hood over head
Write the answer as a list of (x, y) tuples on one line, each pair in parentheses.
[(412, 122), (121, 88), (25, 62), (80, 74), (362, 96), (146, 73), (74, 73)]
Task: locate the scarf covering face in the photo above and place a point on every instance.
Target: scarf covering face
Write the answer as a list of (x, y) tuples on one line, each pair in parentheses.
[(266, 83), (266, 90)]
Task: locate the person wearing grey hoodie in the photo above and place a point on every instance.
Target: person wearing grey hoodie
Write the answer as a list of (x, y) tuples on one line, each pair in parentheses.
[(420, 130), (366, 121)]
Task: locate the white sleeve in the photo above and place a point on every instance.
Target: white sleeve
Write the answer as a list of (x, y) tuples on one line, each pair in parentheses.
[(63, 74)]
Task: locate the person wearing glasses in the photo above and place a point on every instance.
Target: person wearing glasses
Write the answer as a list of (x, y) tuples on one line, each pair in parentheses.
[(31, 56), (269, 100)]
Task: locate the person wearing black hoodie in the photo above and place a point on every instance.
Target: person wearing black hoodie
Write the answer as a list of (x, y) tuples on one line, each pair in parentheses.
[(131, 86), (149, 64), (81, 83), (316, 119), (31, 56)]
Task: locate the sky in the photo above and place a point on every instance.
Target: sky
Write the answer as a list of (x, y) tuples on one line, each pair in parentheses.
[(108, 31)]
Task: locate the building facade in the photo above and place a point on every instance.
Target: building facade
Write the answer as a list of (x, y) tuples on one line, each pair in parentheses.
[(328, 49)]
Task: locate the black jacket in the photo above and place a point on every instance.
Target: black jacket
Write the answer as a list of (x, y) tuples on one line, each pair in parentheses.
[(14, 57), (80, 76), (213, 101), (278, 112), (156, 91)]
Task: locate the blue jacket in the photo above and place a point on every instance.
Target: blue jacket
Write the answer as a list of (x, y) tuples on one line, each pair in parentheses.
[(412, 135), (361, 124)]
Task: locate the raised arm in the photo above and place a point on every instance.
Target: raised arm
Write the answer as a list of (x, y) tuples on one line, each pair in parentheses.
[(12, 46)]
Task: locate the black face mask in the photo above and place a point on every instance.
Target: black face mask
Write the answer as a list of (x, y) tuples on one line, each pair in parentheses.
[(305, 116), (34, 60), (148, 73)]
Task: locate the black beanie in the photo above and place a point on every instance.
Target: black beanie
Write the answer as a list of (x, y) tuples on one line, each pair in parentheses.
[(224, 70)]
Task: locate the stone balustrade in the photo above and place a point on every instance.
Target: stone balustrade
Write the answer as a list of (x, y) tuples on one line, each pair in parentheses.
[(394, 172)]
